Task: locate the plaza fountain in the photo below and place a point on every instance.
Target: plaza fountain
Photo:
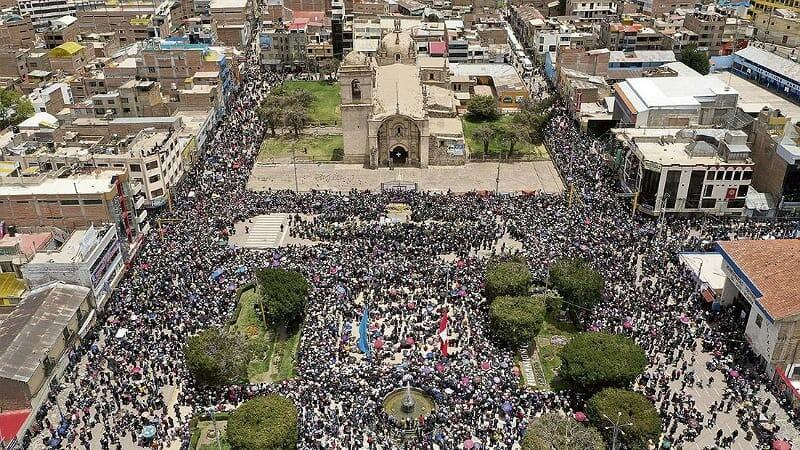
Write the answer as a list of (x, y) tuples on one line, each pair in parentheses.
[(408, 403)]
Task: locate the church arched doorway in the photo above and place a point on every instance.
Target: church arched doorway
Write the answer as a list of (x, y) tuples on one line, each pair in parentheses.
[(399, 156)]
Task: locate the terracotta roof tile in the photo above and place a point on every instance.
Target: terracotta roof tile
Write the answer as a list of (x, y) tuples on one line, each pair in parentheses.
[(773, 266)]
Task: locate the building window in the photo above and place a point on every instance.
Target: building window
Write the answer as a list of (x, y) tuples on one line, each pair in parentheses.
[(157, 193), (709, 191), (136, 168), (710, 175), (69, 202), (92, 202), (355, 89), (742, 192), (154, 178), (151, 165), (759, 320)]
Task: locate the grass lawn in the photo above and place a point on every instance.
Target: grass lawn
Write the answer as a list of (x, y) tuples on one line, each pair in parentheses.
[(548, 353), (325, 109), (285, 355), (497, 145), (315, 148), (251, 325), (206, 440)]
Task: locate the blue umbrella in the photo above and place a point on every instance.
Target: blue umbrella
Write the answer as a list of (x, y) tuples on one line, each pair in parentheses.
[(506, 407), (216, 273), (54, 442), (241, 269), (148, 432)]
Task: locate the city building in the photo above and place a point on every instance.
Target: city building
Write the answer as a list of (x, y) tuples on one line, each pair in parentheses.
[(16, 30), (658, 8), (62, 30), (591, 9), (686, 171), (392, 115), (768, 69), (632, 64), (92, 258), (17, 248), (131, 21), (43, 11), (709, 26), (628, 35), (776, 153), (778, 26), (766, 6), (35, 336), (72, 198), (761, 277), (673, 102), (232, 19)]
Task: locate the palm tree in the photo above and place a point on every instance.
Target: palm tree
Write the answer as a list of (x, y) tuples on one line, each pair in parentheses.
[(484, 134), (296, 118)]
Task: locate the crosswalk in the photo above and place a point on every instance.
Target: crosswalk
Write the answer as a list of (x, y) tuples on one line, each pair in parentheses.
[(265, 231)]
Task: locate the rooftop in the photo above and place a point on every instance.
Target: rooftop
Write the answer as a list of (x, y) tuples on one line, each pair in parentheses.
[(671, 92), (774, 63), (80, 244), (96, 182), (771, 268), (35, 325), (392, 80)]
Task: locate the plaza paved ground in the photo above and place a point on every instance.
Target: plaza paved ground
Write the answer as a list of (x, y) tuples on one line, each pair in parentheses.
[(752, 93), (520, 176)]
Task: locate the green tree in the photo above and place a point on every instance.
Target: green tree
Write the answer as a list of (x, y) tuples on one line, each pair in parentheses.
[(271, 113), (483, 108), (695, 58), (512, 134), (509, 278), (330, 67), (217, 358), (296, 118), (625, 407), (593, 361), (517, 320), (580, 286), (553, 431), (484, 134), (263, 423), (283, 295), (14, 107), (301, 97)]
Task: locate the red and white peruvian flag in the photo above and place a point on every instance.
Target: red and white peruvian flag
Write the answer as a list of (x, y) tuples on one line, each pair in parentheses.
[(443, 334)]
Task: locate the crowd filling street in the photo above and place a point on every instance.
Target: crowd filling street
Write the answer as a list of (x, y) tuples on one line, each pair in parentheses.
[(129, 373)]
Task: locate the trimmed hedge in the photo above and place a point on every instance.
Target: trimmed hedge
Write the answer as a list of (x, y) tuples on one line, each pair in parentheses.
[(593, 361), (509, 278), (263, 423), (632, 407), (517, 320)]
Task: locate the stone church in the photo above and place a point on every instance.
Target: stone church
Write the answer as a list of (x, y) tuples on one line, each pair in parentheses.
[(397, 107)]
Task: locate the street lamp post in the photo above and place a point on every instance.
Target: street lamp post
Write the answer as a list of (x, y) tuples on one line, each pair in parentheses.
[(294, 163), (497, 180), (617, 427)]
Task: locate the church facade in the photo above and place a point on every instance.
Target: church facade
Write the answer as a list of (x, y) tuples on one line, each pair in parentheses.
[(390, 116)]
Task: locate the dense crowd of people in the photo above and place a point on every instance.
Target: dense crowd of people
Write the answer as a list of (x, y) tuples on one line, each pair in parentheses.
[(129, 376)]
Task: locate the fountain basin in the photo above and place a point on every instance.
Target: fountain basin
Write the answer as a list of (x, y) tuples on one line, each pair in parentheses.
[(396, 404)]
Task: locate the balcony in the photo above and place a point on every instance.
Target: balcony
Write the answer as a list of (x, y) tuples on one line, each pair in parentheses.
[(139, 202), (136, 188), (141, 216)]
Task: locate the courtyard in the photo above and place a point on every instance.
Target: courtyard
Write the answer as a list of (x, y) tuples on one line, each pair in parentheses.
[(516, 177), (325, 108)]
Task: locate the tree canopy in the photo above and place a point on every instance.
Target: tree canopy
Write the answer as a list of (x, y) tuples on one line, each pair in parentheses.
[(593, 361), (533, 117), (695, 58), (483, 108), (217, 358), (517, 320), (283, 294), (580, 286), (484, 134), (553, 431), (289, 108), (263, 423), (510, 278), (625, 407), (14, 107)]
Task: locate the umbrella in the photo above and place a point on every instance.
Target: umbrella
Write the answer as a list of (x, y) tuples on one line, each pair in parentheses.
[(148, 432), (506, 407), (627, 325), (684, 319), (486, 365), (216, 273), (440, 367), (465, 381), (54, 442), (378, 344), (469, 444), (580, 416), (426, 370), (666, 444), (410, 340), (780, 444), (241, 269), (734, 373)]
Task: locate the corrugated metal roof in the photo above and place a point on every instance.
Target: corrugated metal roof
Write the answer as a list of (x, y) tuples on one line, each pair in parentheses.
[(10, 286), (781, 66), (35, 325)]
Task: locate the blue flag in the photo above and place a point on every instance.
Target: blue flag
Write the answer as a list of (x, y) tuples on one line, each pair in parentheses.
[(363, 338)]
